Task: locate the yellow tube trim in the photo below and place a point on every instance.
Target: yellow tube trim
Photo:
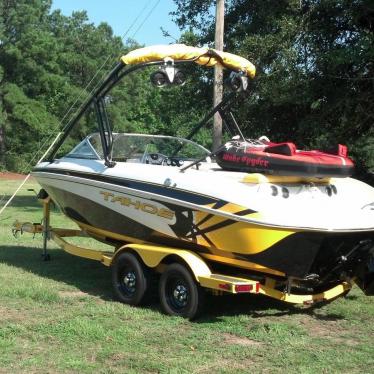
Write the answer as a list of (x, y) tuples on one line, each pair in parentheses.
[(181, 52)]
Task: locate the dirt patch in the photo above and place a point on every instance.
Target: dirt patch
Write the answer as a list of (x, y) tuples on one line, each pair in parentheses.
[(73, 294), (238, 340), (12, 176), (320, 329), (117, 357), (226, 364), (12, 315), (81, 294), (331, 330)]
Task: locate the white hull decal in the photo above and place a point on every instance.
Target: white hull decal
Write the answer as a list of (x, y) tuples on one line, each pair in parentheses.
[(156, 215), (285, 216)]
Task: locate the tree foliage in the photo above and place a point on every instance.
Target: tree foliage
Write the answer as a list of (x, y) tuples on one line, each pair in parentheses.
[(314, 86), (49, 63), (46, 60), (315, 67)]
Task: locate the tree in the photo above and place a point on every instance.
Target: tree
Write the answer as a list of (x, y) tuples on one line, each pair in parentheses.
[(315, 67), (25, 44), (47, 61)]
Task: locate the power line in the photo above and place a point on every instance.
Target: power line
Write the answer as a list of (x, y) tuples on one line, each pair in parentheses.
[(109, 57), (77, 99), (105, 62), (83, 91), (146, 18)]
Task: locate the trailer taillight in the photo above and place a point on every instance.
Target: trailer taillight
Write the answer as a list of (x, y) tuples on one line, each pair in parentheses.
[(224, 286), (243, 288)]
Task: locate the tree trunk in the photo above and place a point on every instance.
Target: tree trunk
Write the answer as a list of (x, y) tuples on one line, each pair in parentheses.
[(2, 137), (218, 74), (2, 147)]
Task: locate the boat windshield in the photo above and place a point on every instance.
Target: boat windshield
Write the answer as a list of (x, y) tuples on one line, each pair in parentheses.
[(142, 148)]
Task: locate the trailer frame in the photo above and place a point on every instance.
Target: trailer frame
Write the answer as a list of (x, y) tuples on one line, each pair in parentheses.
[(160, 259)]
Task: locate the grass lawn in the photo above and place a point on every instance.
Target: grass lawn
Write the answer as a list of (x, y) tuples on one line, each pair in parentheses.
[(60, 316)]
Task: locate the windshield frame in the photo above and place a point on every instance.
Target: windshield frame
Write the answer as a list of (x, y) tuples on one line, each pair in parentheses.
[(158, 136), (116, 136)]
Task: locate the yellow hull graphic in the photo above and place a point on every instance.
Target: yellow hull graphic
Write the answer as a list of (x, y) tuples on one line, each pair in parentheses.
[(234, 236), (224, 239)]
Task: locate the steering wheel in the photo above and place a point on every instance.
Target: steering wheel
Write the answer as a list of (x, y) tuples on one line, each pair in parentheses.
[(155, 159)]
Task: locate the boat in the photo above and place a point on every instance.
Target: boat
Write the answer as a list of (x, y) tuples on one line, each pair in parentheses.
[(309, 231)]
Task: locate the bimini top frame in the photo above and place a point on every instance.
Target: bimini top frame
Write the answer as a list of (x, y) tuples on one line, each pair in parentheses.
[(140, 58)]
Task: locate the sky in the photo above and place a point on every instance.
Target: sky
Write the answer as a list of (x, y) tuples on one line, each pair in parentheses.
[(121, 14)]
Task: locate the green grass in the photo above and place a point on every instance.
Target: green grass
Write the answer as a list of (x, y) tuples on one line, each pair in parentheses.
[(60, 316)]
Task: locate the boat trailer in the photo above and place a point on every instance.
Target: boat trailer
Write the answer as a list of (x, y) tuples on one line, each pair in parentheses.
[(184, 274)]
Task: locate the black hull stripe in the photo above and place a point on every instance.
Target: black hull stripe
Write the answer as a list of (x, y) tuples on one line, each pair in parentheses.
[(205, 219), (223, 224), (177, 194), (183, 195), (290, 256), (82, 210), (293, 255)]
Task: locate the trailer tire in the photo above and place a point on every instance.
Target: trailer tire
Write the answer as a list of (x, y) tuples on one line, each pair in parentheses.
[(130, 279), (180, 294)]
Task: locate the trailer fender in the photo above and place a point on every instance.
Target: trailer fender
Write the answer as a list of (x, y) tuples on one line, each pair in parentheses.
[(153, 255)]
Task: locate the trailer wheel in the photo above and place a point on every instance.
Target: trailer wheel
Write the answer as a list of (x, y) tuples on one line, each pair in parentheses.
[(130, 279), (180, 295)]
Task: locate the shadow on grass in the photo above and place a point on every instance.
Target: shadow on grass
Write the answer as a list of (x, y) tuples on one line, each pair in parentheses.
[(93, 278), (27, 203), (88, 276), (258, 306)]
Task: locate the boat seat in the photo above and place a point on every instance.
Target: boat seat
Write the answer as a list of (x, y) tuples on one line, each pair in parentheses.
[(338, 149), (287, 149)]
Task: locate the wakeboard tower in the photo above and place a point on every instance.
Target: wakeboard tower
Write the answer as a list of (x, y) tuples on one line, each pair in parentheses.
[(257, 217)]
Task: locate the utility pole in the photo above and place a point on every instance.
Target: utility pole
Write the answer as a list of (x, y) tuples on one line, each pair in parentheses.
[(218, 73)]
